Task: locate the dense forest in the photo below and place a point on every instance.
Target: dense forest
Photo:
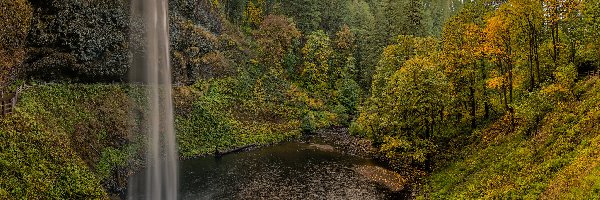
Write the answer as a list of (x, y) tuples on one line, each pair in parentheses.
[(466, 99)]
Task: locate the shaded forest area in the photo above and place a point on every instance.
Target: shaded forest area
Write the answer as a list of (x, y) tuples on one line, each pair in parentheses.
[(473, 99)]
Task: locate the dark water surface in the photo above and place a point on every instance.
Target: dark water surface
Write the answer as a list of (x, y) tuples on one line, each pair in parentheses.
[(286, 171)]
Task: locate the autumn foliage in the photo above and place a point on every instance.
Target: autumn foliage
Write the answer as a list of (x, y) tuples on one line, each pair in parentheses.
[(15, 18)]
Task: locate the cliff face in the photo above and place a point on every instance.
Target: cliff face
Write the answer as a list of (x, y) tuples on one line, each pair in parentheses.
[(82, 40)]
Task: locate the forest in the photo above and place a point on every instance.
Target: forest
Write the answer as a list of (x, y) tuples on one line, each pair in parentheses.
[(464, 99)]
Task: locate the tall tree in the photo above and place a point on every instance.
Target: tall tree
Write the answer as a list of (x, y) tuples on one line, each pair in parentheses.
[(316, 54), (364, 25), (275, 37), (414, 22), (528, 15), (306, 14), (499, 47)]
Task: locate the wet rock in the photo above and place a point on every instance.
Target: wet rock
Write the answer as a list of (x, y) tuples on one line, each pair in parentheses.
[(390, 179), (322, 147)]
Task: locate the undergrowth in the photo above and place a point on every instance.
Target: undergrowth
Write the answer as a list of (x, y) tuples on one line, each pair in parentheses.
[(554, 152)]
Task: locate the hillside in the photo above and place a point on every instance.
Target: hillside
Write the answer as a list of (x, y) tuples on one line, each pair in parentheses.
[(464, 99), (555, 158)]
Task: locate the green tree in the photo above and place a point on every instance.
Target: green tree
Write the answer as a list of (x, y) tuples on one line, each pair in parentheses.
[(394, 56), (415, 24), (406, 119), (306, 14), (591, 25), (316, 54), (362, 23), (529, 17)]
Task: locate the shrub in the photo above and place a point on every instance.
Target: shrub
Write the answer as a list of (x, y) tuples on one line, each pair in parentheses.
[(193, 51), (205, 129), (308, 124), (531, 110)]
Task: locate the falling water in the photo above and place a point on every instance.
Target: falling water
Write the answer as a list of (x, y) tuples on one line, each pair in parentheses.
[(151, 66)]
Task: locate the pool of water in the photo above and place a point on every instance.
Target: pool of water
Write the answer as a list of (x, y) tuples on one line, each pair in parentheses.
[(290, 170)]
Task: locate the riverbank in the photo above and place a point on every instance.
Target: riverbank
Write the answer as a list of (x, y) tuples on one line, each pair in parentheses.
[(338, 139)]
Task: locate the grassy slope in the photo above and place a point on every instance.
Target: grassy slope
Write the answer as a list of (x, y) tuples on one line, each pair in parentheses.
[(561, 159)]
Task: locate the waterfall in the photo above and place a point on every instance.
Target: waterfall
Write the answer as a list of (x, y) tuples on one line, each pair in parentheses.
[(151, 66)]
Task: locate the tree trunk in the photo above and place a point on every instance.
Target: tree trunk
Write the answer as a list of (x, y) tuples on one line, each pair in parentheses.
[(473, 107), (530, 55), (536, 54), (486, 104)]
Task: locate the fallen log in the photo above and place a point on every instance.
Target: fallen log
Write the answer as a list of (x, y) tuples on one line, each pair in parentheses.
[(242, 148)]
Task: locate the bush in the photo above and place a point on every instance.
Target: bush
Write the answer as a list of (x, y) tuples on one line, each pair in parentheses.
[(65, 142), (99, 117), (196, 52), (531, 110), (204, 130), (308, 124)]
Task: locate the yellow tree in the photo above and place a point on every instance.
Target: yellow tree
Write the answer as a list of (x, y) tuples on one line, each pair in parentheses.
[(499, 47), (529, 16), (463, 54), (253, 14), (316, 54), (556, 11), (394, 56)]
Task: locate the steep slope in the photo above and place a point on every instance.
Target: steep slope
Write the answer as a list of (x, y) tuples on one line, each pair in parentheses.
[(558, 157)]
